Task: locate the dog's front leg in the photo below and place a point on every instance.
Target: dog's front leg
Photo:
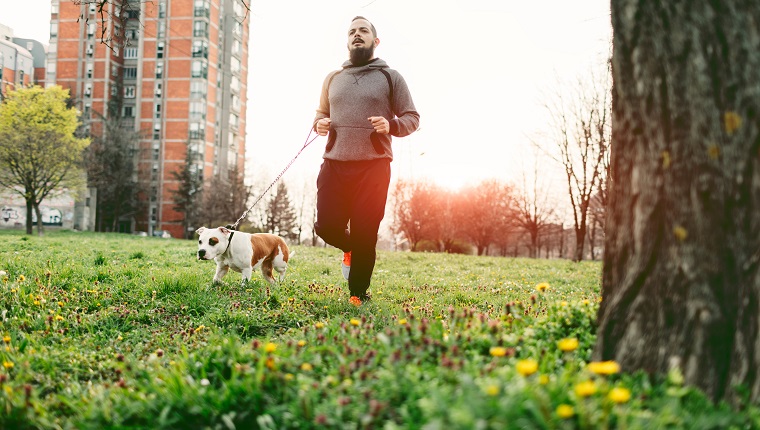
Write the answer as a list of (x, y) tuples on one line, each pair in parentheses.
[(247, 272), (221, 270)]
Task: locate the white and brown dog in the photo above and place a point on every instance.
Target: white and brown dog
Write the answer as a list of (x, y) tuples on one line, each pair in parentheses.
[(243, 252)]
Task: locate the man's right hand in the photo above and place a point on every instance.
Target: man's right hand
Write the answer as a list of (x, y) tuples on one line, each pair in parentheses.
[(323, 126)]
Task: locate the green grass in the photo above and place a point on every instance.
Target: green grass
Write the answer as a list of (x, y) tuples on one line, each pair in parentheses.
[(114, 331)]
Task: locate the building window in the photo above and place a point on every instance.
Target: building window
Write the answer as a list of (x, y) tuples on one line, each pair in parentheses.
[(157, 110), (200, 29), (196, 130), (198, 89), (130, 52), (159, 69), (132, 34), (90, 67), (91, 29), (160, 50), (161, 32), (201, 8), (200, 49), (53, 30), (158, 89), (130, 73), (54, 7), (88, 90), (199, 69), (198, 110), (90, 50), (129, 92), (129, 112), (157, 130), (162, 9)]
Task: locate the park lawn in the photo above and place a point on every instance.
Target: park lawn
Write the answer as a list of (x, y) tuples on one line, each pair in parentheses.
[(117, 331)]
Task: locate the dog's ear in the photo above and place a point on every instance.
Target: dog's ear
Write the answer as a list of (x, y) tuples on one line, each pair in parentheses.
[(200, 230), (224, 231)]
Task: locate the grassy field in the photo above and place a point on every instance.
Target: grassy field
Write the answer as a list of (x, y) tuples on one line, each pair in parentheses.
[(114, 331)]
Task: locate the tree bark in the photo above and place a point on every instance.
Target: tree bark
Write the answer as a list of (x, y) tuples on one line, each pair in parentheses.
[(680, 283), (29, 212)]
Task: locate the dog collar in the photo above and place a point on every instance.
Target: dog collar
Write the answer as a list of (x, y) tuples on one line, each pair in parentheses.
[(229, 242)]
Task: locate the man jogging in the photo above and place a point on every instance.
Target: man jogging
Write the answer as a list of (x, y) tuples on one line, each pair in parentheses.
[(360, 108)]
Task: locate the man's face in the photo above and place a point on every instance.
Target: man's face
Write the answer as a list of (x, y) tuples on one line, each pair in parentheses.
[(361, 39)]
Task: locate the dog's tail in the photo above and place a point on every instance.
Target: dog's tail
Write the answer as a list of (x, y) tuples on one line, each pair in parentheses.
[(291, 253)]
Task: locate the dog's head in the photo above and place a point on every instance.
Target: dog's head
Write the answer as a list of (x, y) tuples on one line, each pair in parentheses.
[(212, 242)]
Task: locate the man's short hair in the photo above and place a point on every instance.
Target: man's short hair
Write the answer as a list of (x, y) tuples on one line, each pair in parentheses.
[(371, 26)]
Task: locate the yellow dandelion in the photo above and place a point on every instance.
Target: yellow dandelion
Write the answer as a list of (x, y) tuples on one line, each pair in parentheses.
[(498, 351), (319, 325), (8, 364), (543, 379), (355, 322), (586, 302), (619, 395), (36, 302), (604, 367), (60, 304), (7, 339), (21, 278), (527, 367), (565, 411), (713, 151), (402, 321), (665, 159), (301, 343), (585, 389), (563, 304), (731, 121), (492, 390), (59, 318), (270, 347), (568, 344), (543, 286), (288, 376), (680, 233), (269, 363), (307, 367)]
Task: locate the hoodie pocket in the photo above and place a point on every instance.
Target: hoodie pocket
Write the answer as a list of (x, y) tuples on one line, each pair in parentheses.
[(332, 135), (374, 137)]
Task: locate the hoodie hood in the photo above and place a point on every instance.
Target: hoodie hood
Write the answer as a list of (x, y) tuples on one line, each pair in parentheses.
[(375, 63)]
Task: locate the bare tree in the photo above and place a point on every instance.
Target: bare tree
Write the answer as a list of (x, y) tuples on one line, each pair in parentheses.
[(581, 126), (487, 207), (533, 211), (417, 208), (681, 277)]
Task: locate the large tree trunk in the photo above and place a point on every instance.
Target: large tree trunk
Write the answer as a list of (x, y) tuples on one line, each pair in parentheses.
[(680, 283), (29, 212), (38, 213)]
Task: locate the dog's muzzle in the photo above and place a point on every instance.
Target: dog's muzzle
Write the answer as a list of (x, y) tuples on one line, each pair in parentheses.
[(201, 254)]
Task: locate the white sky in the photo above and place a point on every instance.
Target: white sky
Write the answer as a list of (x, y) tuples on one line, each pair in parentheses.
[(478, 70)]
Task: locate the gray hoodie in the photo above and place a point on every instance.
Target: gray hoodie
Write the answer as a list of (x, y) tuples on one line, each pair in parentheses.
[(353, 94)]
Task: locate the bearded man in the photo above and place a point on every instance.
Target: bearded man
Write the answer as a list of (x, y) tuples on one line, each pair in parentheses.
[(361, 106)]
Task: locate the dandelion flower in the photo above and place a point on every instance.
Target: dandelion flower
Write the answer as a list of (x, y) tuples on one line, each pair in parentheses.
[(619, 395), (585, 389), (543, 379), (301, 343), (355, 322), (59, 318), (402, 321), (319, 325), (604, 367), (8, 364), (270, 347), (568, 344), (307, 367), (498, 351), (732, 121), (543, 286), (21, 278), (565, 411), (492, 390), (7, 339), (527, 367)]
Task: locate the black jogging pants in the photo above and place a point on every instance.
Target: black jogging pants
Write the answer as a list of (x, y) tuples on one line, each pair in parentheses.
[(355, 192)]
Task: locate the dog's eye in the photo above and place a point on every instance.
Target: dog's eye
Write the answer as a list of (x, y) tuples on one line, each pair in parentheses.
[(200, 242), (213, 241)]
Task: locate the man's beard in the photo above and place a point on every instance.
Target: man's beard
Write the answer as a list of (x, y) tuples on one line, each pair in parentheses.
[(360, 56)]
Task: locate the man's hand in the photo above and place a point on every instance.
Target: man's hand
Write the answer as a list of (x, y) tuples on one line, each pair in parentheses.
[(381, 124), (323, 126)]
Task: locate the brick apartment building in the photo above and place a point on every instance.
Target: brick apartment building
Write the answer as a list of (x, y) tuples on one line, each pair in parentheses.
[(180, 69), (22, 61)]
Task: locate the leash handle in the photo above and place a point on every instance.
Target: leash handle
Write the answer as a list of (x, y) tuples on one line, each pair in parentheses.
[(307, 142)]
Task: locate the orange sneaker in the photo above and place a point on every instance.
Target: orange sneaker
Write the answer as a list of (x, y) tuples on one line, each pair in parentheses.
[(346, 264)]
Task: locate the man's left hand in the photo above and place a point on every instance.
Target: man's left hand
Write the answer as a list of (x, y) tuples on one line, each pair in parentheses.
[(380, 124)]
